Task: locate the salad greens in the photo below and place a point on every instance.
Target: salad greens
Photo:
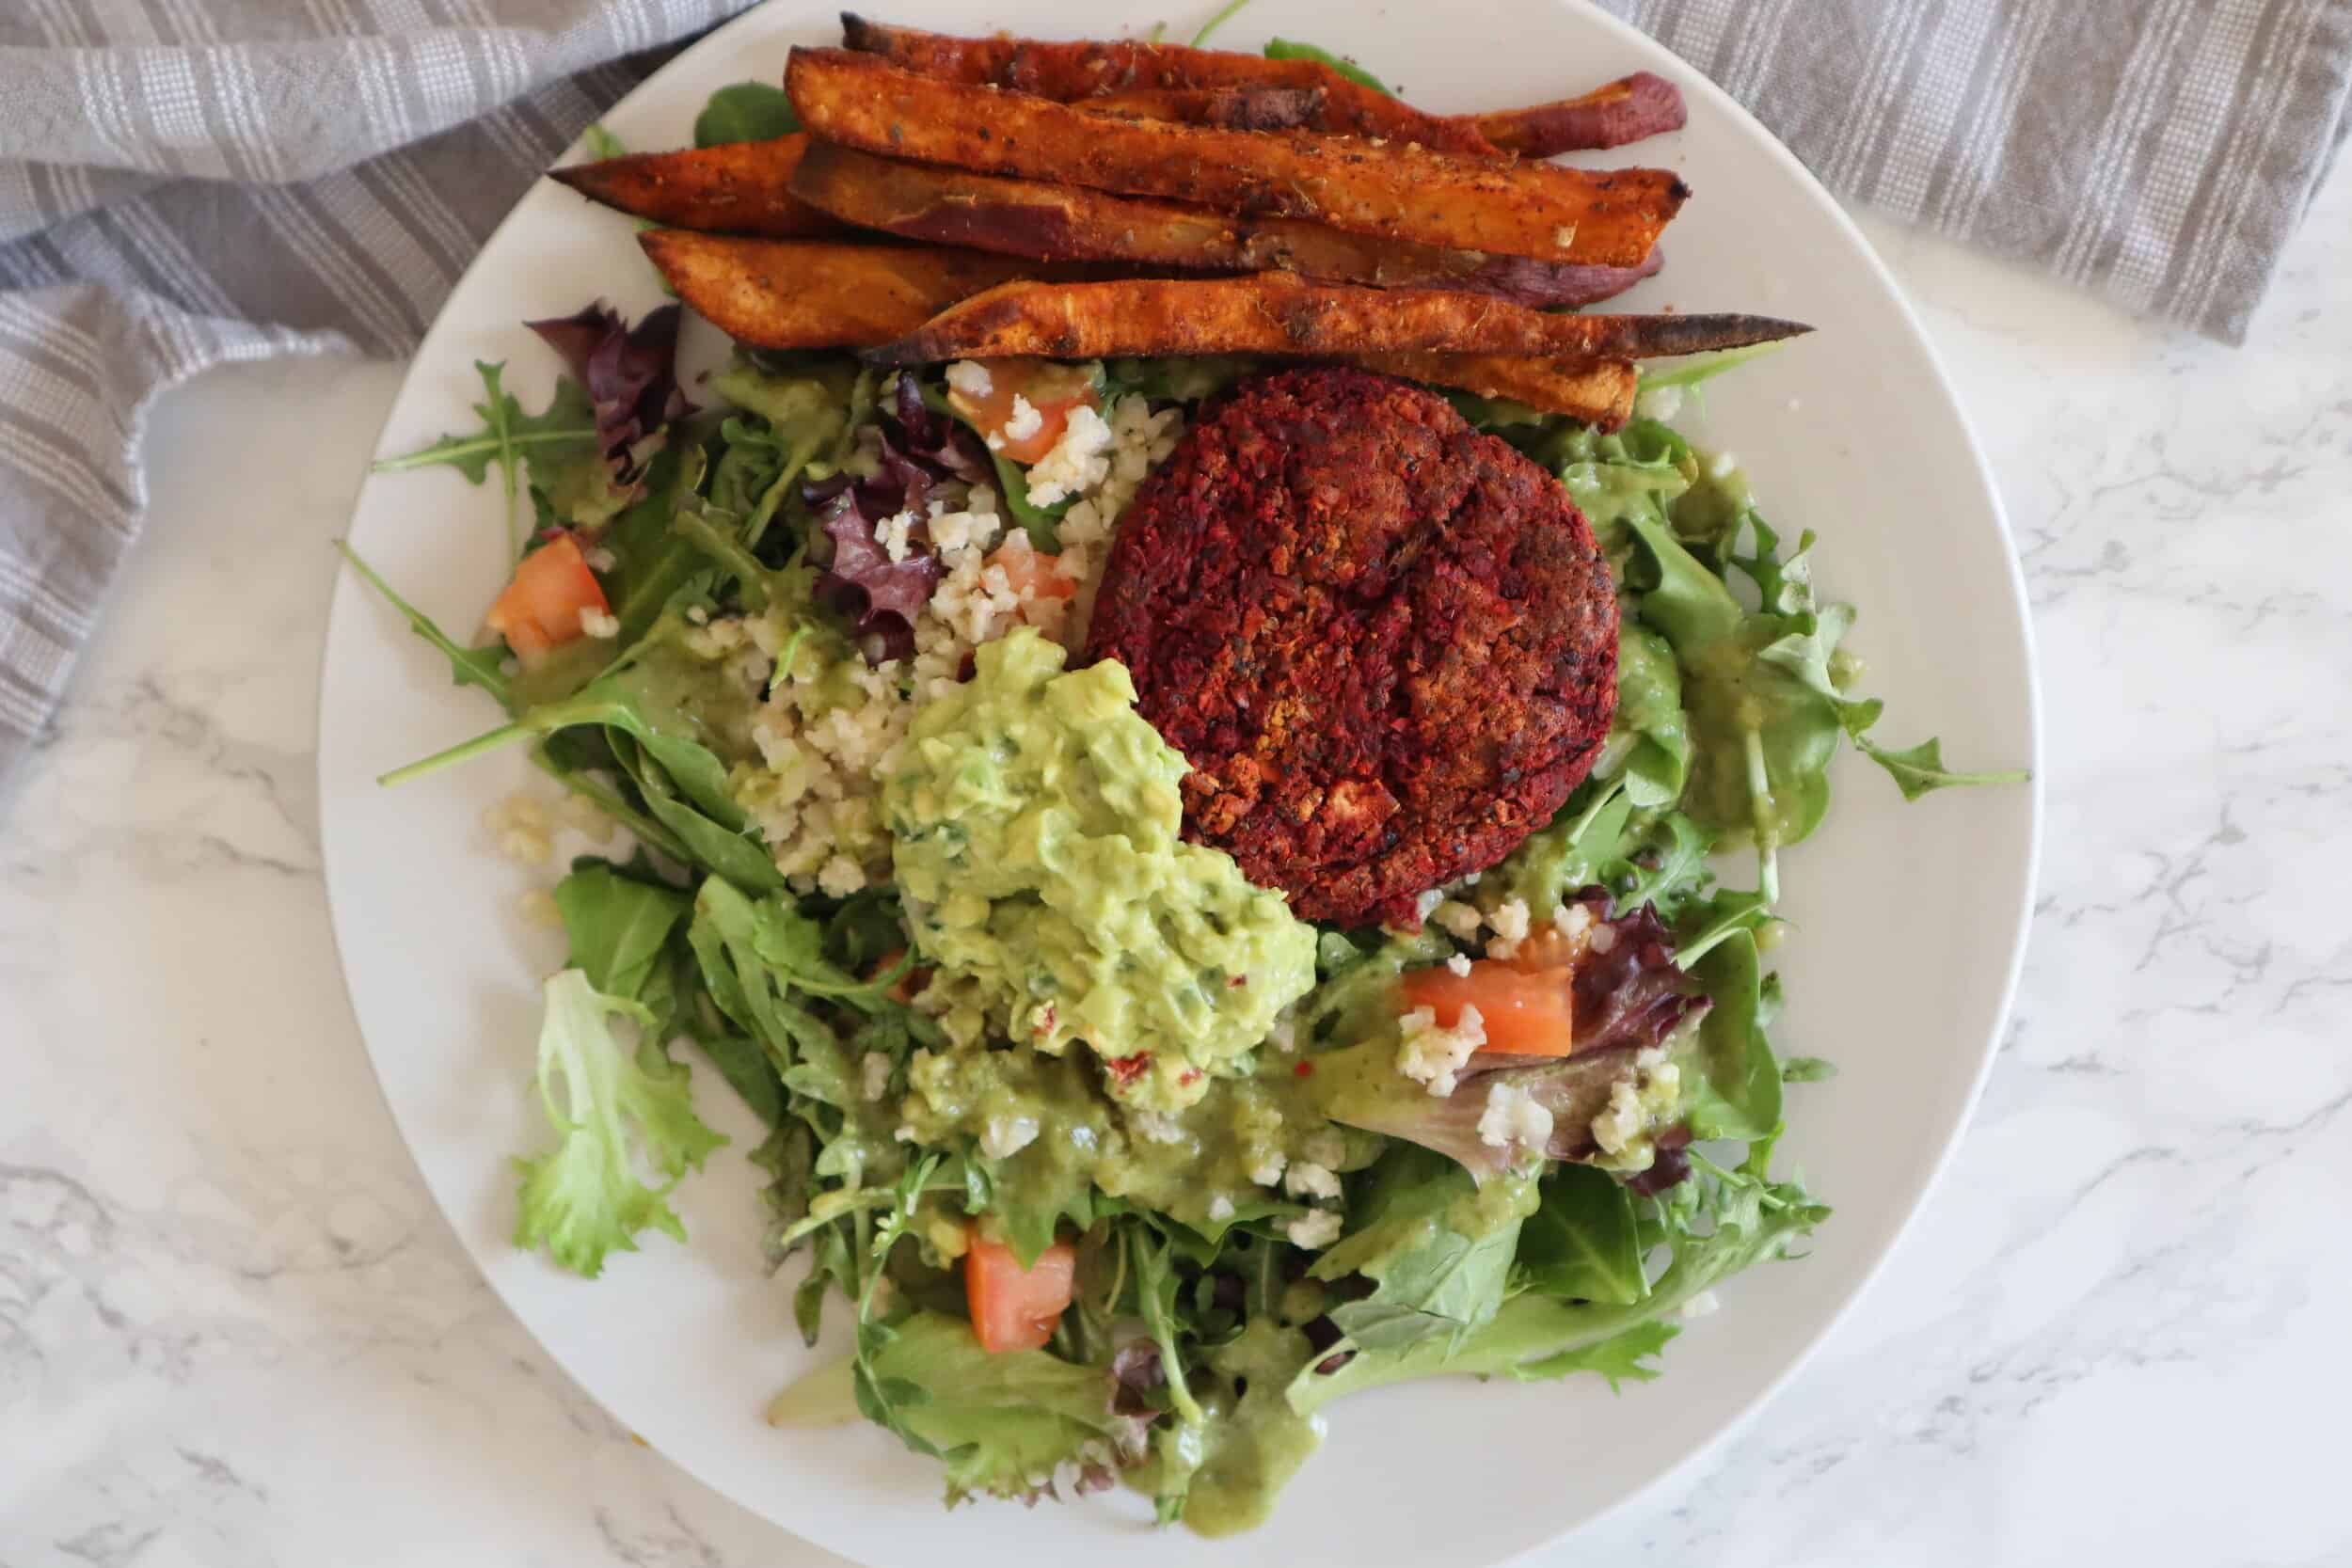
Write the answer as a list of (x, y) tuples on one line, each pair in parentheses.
[(1340, 1197), (745, 111)]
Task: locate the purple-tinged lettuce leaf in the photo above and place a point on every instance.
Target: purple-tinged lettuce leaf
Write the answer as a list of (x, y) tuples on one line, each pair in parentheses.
[(629, 374), (923, 432), (879, 596), (882, 597)]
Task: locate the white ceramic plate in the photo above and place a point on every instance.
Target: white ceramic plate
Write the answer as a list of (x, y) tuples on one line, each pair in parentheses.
[(1911, 917)]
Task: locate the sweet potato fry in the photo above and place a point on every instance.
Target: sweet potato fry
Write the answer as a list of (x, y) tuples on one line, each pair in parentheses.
[(1025, 217), (1622, 111), (1599, 392), (1225, 109), (1608, 218), (815, 293), (1067, 73), (738, 188), (1273, 313)]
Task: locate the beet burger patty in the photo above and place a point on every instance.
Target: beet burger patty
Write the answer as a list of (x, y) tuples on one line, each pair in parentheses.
[(1386, 643)]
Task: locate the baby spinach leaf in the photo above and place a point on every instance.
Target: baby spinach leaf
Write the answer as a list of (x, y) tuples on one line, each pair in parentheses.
[(789, 423), (1738, 1091), (1580, 1243), (1649, 739), (1437, 1260), (745, 111), (1702, 927), (716, 845), (617, 925), (1285, 49), (1688, 603)]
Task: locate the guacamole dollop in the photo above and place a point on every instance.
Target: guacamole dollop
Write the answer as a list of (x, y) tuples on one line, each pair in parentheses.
[(1033, 817)]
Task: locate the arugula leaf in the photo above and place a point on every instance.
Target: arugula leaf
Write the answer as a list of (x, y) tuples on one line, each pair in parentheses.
[(745, 111), (653, 567), (1765, 692), (618, 925), (505, 432), (571, 474), (602, 144), (1623, 1359), (577, 759), (789, 423), (1438, 1259), (1153, 1262), (584, 1200), (467, 666), (1739, 1093), (510, 439), (1284, 49), (1921, 771), (1225, 13), (763, 962), (1662, 872), (1580, 1243)]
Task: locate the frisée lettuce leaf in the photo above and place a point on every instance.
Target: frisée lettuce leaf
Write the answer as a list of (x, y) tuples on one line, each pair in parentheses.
[(618, 1109)]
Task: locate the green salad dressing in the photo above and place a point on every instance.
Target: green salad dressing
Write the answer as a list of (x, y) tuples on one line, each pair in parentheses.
[(1233, 1465), (1033, 823), (1071, 1135)]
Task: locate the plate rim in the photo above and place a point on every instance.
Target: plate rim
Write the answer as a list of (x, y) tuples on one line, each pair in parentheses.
[(346, 590)]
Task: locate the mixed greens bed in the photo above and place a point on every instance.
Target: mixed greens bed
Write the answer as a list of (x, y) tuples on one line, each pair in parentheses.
[(1118, 1172)]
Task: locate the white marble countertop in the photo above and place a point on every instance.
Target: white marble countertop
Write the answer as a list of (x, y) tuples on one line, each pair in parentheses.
[(233, 1330)]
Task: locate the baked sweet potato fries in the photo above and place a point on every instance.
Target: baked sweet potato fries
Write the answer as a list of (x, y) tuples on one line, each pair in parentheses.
[(954, 197)]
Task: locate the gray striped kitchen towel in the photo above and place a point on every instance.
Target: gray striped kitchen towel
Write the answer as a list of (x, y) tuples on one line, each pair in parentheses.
[(190, 181)]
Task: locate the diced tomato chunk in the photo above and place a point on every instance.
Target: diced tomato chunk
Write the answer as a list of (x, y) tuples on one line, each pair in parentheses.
[(1051, 390), (1525, 1012), (1014, 1308), (1032, 573), (540, 609)]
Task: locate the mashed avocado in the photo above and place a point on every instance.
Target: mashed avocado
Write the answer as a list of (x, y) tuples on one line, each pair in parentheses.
[(1033, 820)]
